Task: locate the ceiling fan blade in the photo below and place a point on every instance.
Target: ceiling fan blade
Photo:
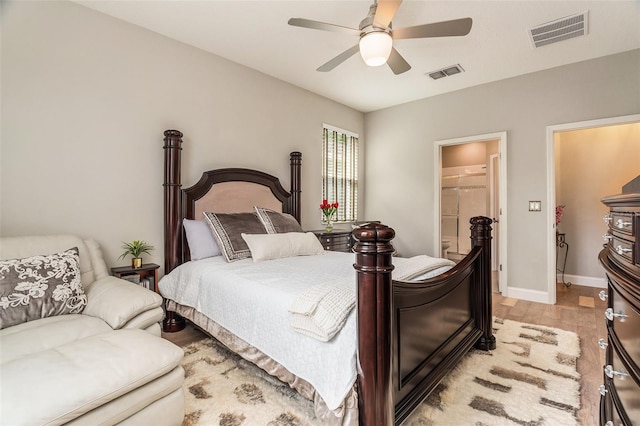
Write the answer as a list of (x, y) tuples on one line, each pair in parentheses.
[(339, 59), (397, 63), (384, 13), (317, 25), (456, 27)]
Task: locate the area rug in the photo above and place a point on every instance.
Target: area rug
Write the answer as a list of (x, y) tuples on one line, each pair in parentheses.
[(530, 379)]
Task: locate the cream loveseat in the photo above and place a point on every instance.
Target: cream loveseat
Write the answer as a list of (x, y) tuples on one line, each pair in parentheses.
[(78, 346)]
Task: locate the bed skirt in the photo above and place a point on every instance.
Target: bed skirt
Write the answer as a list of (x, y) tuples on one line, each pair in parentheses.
[(345, 415)]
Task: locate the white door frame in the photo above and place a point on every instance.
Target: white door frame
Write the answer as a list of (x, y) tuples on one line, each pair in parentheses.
[(494, 210), (551, 187), (437, 170)]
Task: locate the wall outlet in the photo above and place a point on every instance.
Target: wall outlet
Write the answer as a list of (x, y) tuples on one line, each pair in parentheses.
[(535, 206)]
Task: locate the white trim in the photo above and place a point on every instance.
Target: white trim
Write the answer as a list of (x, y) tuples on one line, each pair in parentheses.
[(491, 172), (437, 169), (527, 294), (596, 282), (551, 188), (339, 130)]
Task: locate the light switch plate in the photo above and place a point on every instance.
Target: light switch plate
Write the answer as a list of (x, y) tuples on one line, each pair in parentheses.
[(535, 206)]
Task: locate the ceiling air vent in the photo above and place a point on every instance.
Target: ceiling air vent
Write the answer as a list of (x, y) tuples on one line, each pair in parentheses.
[(446, 72), (560, 29)]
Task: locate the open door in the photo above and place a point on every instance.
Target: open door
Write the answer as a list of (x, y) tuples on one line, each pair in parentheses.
[(458, 161)]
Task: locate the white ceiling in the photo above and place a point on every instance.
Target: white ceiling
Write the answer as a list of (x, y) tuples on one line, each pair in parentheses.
[(256, 34)]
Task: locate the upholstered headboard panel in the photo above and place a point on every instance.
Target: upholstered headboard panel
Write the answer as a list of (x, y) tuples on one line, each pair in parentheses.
[(233, 197)]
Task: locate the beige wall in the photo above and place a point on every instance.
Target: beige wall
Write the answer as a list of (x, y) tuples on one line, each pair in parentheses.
[(591, 164), (85, 101), (400, 187), (464, 155), (86, 97)]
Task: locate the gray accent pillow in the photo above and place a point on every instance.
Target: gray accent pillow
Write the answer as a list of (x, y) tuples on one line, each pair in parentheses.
[(276, 222), (40, 286), (201, 242), (228, 228)]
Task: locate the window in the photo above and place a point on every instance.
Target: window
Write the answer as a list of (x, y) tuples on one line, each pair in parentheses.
[(340, 171)]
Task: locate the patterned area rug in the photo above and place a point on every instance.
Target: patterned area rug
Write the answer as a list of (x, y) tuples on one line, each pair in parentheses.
[(530, 379)]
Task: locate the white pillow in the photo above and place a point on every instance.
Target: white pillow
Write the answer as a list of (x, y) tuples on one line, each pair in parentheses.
[(200, 239), (277, 246)]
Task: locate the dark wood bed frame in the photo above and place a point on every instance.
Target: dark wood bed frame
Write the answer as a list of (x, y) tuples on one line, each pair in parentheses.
[(410, 335)]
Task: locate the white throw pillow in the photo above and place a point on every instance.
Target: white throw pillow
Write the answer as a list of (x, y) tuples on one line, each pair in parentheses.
[(277, 246), (200, 239)]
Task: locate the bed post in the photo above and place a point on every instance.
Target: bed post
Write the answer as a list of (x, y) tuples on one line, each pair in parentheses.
[(373, 269), (172, 205), (295, 207), (481, 236), (172, 217)]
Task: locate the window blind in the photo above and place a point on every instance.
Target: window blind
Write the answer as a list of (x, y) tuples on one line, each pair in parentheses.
[(340, 172)]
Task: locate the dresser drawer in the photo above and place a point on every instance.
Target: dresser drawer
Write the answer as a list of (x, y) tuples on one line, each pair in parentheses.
[(624, 319), (616, 420), (624, 222), (623, 248), (623, 385), (335, 240)]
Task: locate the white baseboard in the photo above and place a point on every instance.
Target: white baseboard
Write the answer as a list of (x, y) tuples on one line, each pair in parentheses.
[(585, 281), (528, 294), (543, 296)]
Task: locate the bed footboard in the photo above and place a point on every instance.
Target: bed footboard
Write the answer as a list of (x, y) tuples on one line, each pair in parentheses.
[(410, 335)]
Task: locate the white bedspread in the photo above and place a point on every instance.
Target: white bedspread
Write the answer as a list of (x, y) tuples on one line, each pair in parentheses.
[(252, 300), (321, 310)]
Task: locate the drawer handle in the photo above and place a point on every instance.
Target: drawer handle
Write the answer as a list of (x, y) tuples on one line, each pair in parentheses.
[(602, 343), (602, 389), (622, 250), (607, 218), (622, 224), (603, 295), (611, 315), (611, 373), (607, 237)]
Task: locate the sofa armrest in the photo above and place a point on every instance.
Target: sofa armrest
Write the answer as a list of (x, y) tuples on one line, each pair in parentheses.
[(118, 301)]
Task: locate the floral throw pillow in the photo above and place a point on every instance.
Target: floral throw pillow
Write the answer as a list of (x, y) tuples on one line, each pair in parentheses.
[(39, 287)]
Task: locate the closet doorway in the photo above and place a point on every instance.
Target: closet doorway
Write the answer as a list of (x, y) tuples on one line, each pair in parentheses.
[(468, 183), (603, 157)]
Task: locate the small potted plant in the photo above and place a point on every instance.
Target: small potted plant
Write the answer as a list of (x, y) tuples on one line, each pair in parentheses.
[(135, 248)]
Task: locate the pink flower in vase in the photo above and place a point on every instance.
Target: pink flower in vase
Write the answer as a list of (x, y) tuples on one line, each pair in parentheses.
[(559, 212)]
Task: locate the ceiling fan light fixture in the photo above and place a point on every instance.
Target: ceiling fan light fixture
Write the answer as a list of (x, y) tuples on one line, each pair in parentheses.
[(375, 48)]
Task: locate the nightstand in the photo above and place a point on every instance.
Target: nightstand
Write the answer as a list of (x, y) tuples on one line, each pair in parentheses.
[(146, 275), (336, 240)]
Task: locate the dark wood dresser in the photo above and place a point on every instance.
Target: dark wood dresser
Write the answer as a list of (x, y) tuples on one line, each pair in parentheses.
[(620, 401), (336, 240)]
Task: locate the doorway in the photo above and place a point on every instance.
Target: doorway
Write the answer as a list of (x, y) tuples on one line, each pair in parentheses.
[(580, 228), (467, 179)]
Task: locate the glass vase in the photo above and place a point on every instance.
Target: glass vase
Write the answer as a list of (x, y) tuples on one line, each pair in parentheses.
[(329, 226)]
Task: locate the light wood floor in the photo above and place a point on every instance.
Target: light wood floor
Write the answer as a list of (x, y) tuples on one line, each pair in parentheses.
[(577, 309)]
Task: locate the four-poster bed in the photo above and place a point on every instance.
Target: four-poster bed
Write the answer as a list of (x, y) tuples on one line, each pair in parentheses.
[(409, 334)]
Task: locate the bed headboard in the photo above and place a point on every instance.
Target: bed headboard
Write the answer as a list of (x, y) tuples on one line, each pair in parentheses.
[(222, 191)]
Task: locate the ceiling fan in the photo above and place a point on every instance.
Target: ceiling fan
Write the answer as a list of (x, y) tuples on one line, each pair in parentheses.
[(377, 36)]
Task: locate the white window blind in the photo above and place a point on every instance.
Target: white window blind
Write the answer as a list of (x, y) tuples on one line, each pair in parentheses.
[(340, 171)]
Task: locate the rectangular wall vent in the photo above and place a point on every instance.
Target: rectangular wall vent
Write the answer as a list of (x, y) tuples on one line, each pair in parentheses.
[(446, 72), (560, 30)]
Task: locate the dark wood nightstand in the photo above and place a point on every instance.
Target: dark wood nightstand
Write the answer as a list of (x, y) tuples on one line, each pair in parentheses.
[(336, 240), (146, 275)]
